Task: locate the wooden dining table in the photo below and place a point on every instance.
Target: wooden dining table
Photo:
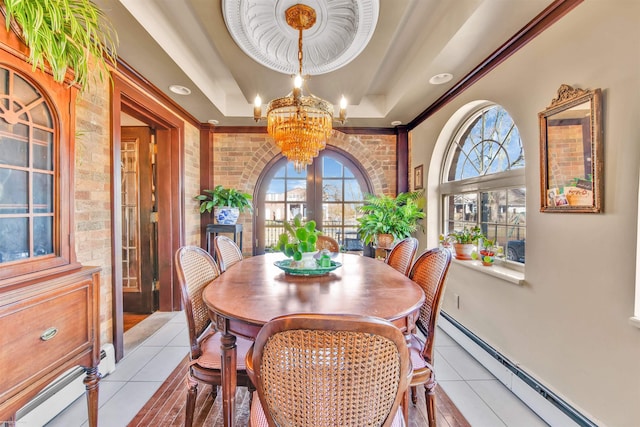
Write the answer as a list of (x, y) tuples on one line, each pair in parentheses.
[(254, 291)]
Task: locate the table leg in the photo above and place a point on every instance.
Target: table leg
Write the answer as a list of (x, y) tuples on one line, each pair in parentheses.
[(229, 379)]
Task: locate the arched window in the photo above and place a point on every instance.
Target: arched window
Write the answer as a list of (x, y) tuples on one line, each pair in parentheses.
[(329, 192), (483, 180)]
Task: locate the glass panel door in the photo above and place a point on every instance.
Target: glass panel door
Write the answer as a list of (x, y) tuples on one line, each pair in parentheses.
[(329, 192)]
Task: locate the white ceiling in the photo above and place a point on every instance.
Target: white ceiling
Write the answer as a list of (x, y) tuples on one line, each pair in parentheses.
[(186, 42)]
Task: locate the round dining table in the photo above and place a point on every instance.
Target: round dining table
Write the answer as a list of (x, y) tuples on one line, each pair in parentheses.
[(252, 292)]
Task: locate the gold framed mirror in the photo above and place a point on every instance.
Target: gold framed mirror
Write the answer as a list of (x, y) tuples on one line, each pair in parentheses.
[(571, 164)]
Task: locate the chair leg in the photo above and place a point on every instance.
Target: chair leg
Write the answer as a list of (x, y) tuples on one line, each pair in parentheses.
[(214, 391), (414, 395), (430, 397), (192, 392)]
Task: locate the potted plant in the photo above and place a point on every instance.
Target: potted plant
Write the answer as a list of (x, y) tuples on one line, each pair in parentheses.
[(299, 241), (464, 241), (487, 253), (226, 203), (396, 217), (60, 35)]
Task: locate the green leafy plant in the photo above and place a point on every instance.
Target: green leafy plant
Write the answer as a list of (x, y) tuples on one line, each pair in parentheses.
[(399, 216), (64, 34), (298, 238), (224, 197), (466, 235)]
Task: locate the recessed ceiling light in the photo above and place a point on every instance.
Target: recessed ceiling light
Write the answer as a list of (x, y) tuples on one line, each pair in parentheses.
[(180, 90), (213, 121), (439, 79), (396, 123)]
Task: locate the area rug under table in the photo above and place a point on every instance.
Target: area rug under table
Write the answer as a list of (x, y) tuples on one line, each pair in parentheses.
[(167, 406)]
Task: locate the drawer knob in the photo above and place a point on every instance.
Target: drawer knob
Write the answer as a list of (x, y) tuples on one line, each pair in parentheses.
[(48, 334)]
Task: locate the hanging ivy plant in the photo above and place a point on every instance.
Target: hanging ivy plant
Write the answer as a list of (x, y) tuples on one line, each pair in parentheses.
[(64, 34)]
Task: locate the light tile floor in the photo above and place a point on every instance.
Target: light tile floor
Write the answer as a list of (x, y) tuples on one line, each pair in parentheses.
[(481, 398)]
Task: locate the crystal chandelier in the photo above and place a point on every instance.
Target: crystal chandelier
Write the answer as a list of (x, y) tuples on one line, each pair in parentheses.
[(300, 124)]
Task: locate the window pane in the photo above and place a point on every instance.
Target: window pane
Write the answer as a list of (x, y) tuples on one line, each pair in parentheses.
[(351, 214), (292, 173), (15, 192), (42, 150), (15, 239), (14, 146), (42, 193), (40, 115), (275, 191), (294, 209), (24, 91), (352, 191), (332, 190), (296, 189), (331, 168), (42, 235)]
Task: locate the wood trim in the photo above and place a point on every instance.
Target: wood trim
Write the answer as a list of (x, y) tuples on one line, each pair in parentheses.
[(537, 25), (128, 71), (402, 160), (170, 141)]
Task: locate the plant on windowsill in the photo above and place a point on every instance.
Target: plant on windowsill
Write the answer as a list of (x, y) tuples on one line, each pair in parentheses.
[(464, 241), (226, 203), (487, 253), (299, 241), (386, 219)]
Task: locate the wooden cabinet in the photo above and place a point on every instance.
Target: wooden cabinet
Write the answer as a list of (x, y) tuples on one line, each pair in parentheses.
[(47, 328), (49, 314)]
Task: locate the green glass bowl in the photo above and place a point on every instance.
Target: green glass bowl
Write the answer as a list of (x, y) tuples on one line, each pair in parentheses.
[(285, 265)]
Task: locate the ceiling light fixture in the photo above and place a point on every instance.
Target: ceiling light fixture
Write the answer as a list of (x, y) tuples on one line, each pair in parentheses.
[(442, 78), (180, 90), (300, 124)]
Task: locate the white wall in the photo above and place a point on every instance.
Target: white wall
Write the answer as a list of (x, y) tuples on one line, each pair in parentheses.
[(568, 325)]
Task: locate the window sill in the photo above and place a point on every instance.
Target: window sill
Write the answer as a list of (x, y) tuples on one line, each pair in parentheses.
[(506, 274), (634, 321)]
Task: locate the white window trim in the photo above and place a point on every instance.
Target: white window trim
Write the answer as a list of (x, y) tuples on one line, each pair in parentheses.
[(511, 272), (635, 319)]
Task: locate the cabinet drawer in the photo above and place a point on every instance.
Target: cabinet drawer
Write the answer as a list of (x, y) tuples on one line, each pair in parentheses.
[(40, 332)]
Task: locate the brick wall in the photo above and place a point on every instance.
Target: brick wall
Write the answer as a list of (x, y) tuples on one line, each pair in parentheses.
[(93, 192), (192, 184), (240, 158)]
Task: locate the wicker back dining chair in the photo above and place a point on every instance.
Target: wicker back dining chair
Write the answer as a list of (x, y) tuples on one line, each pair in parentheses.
[(313, 370), (402, 254), (196, 269), (328, 243), (430, 272), (227, 252)]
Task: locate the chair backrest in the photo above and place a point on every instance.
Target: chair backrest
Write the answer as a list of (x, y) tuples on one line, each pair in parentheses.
[(227, 252), (430, 272), (402, 254), (328, 243), (195, 269), (329, 370)]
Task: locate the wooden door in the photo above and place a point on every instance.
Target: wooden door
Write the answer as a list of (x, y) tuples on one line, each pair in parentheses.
[(139, 214)]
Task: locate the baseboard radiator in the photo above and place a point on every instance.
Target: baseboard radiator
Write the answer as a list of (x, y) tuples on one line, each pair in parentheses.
[(548, 405), (62, 392)]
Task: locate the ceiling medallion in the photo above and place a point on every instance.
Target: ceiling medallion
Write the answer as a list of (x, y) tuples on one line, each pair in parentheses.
[(299, 124), (342, 30)]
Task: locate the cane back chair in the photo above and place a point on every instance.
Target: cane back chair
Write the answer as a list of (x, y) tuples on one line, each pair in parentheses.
[(328, 243), (328, 370), (196, 269), (402, 254), (430, 272), (227, 252)]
